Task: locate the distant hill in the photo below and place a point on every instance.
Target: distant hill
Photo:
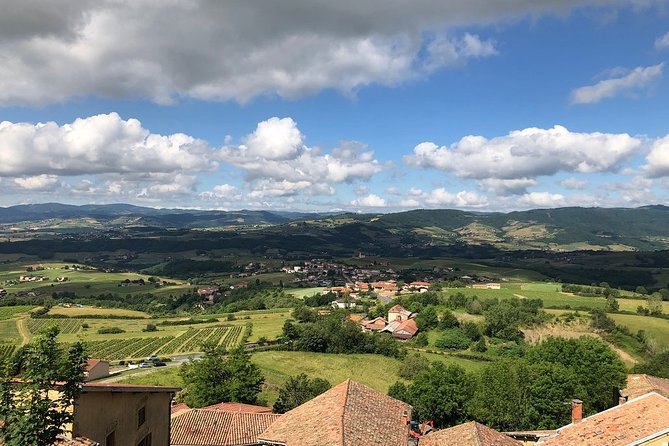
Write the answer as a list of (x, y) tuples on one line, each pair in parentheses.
[(561, 229)]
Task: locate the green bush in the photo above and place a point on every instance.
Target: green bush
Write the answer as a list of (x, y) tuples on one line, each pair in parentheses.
[(453, 339)]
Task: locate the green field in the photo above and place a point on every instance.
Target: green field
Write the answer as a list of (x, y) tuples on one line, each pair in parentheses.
[(82, 312), (657, 328), (378, 372), (12, 312), (301, 293), (83, 282)]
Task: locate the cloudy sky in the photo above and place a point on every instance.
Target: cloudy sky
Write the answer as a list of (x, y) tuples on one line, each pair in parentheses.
[(318, 105)]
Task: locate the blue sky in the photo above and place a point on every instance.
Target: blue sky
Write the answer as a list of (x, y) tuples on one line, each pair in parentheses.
[(379, 105)]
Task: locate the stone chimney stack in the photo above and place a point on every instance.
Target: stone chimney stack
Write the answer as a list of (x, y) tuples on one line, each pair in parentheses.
[(576, 411)]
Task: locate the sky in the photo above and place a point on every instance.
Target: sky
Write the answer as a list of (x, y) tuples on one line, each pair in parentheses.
[(316, 105)]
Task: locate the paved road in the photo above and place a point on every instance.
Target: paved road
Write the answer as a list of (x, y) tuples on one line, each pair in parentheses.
[(127, 373)]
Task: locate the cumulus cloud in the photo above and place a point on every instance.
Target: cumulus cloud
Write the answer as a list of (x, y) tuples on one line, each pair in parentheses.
[(237, 50), (662, 42), (543, 200), (657, 160), (38, 182), (276, 162), (634, 82), (370, 200), (526, 154), (98, 144)]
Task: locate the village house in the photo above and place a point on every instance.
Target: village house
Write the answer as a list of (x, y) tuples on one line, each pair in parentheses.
[(468, 434), (216, 426), (638, 385), (124, 414), (398, 312), (376, 324), (642, 421), (343, 304), (348, 414), (95, 369), (421, 287), (406, 330)]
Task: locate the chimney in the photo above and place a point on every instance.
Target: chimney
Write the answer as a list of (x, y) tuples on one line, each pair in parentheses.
[(576, 411)]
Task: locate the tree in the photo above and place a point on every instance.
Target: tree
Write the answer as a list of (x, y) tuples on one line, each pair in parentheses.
[(654, 304), (440, 393), (220, 377), (598, 369), (448, 320), (32, 416), (612, 305), (298, 390), (428, 318)]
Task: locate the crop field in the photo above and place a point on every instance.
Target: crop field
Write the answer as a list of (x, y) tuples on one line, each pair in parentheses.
[(301, 293), (189, 341), (6, 350), (9, 332), (11, 312), (66, 326), (82, 312)]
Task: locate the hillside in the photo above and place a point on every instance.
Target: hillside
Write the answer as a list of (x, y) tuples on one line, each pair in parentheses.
[(418, 232)]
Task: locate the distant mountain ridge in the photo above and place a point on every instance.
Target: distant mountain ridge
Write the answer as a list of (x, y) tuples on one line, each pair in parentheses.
[(569, 228)]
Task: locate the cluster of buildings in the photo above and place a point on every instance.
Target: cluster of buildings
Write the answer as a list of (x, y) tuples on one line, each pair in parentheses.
[(400, 323), (384, 290), (349, 414)]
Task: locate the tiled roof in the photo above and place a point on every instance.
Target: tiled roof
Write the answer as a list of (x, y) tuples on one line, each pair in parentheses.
[(178, 408), (239, 407), (409, 326), (77, 441), (218, 427), (349, 414), (130, 388), (621, 425), (468, 434), (376, 324), (398, 309), (92, 363), (638, 385)]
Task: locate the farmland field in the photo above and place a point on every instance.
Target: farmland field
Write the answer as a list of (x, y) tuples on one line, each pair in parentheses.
[(657, 328), (82, 312), (11, 312)]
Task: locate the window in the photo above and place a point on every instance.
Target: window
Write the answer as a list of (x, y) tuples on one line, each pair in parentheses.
[(141, 416), (146, 441), (111, 439)]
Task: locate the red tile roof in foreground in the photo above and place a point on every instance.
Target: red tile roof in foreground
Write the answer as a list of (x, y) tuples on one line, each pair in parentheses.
[(638, 385), (642, 418), (468, 434), (239, 407), (218, 427), (178, 408), (349, 414), (77, 441)]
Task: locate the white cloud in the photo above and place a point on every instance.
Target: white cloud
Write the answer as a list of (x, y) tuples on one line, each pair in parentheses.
[(275, 139), (462, 199), (39, 182), (98, 144), (237, 50), (370, 200), (634, 82), (574, 183), (526, 154), (283, 165), (662, 42), (657, 160), (543, 200)]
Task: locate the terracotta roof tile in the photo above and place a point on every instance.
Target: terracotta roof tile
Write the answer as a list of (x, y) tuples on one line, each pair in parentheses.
[(621, 425), (239, 407), (77, 441), (468, 434), (638, 385), (349, 414), (178, 408), (218, 427)]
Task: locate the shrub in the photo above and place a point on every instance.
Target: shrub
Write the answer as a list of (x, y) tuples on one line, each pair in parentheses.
[(453, 339), (110, 330)]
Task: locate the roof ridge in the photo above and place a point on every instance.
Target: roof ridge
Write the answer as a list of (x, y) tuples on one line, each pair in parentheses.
[(477, 440), (343, 411)]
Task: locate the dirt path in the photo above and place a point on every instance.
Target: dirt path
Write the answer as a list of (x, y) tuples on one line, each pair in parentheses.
[(23, 331)]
